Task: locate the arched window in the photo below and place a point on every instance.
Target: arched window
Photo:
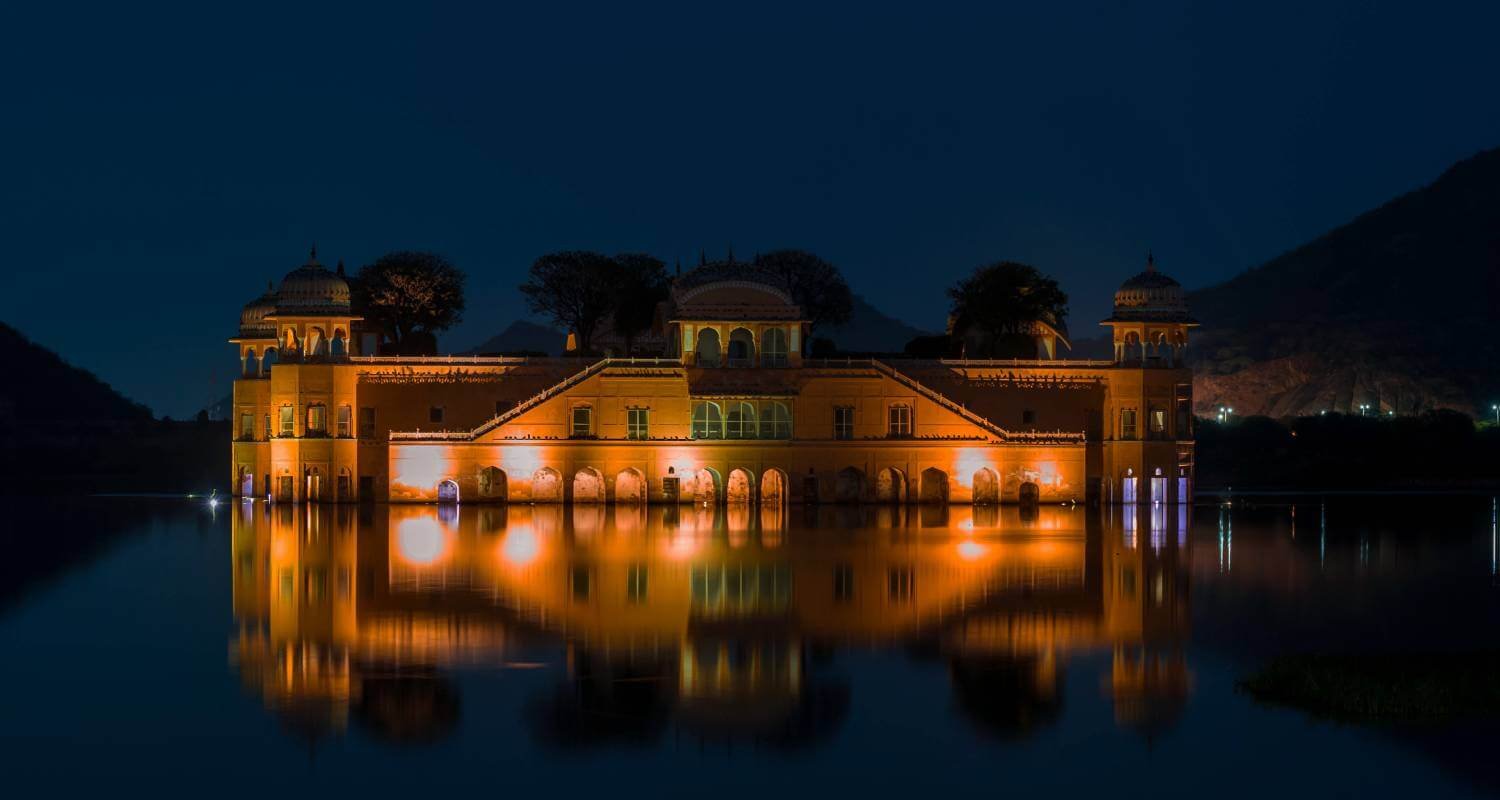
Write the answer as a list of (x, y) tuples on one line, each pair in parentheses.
[(708, 421), (776, 422), (739, 423), (251, 368), (267, 360), (316, 344), (773, 348), (741, 348), (708, 348), (339, 346)]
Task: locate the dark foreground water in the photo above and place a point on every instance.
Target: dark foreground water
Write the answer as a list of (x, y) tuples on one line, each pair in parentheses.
[(275, 651)]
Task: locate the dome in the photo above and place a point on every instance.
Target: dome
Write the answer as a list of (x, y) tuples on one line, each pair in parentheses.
[(253, 322), (312, 289), (1151, 296)]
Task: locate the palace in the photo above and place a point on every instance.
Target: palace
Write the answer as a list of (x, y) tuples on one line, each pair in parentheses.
[(728, 409)]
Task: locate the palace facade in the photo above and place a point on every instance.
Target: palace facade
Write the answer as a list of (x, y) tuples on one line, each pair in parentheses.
[(727, 409)]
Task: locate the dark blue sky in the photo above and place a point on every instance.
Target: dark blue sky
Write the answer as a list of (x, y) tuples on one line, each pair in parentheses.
[(158, 166)]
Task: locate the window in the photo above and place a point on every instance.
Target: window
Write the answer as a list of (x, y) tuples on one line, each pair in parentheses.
[(317, 419), (773, 348), (288, 421), (582, 426), (435, 414), (268, 427), (708, 421), (1028, 417), (1127, 423), (1158, 423), (247, 426), (638, 423), (367, 422), (344, 422), (635, 584), (776, 422), (741, 421), (899, 422), (843, 422)]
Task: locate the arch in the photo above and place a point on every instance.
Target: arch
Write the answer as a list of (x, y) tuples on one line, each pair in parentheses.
[(343, 487), (739, 423), (741, 348), (314, 484), (268, 360), (447, 492), (706, 486), (1127, 486), (890, 486), (934, 486), (316, 343), (546, 486), (251, 366), (850, 485), (776, 421), (741, 487), (289, 341), (1158, 487), (708, 420), (986, 486), (630, 487), (773, 348), (707, 352), (246, 482), (1030, 494), (339, 346), (588, 486), (773, 486), (493, 484)]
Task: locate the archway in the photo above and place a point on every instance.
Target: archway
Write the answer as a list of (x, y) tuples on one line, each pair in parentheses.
[(773, 348), (1030, 494), (1158, 487), (246, 482), (741, 489), (708, 348), (741, 348), (630, 487), (706, 487), (338, 347), (344, 488), (314, 485), (890, 486), (850, 486), (546, 486), (588, 486), (493, 484), (1127, 487), (934, 486), (447, 491), (773, 484), (986, 486), (267, 361), (316, 344), (252, 367)]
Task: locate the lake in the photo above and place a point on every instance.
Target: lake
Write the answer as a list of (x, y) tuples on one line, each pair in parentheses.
[(249, 649)]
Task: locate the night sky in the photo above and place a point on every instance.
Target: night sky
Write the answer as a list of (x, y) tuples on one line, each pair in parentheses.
[(160, 165)]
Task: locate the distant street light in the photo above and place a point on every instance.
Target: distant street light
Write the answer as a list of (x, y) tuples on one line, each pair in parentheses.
[(1495, 407)]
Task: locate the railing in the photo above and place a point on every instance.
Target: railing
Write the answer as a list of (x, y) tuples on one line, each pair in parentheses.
[(510, 413), (515, 360), (962, 411)]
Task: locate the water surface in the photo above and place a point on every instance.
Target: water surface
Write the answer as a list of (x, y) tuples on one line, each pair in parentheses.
[(303, 650)]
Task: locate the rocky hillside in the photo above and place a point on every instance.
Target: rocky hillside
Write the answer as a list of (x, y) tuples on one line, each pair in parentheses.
[(40, 386), (1397, 309)]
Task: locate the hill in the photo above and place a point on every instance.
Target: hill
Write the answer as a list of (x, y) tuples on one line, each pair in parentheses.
[(42, 387), (870, 330), (521, 337), (1395, 309)]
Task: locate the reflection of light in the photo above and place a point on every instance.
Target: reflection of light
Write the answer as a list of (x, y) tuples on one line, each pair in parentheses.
[(418, 466), (520, 546), (682, 545), (420, 540), (970, 550)]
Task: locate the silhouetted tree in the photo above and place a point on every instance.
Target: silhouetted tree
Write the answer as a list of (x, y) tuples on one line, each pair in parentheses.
[(409, 296), (814, 284), (998, 303), (576, 288), (642, 284)]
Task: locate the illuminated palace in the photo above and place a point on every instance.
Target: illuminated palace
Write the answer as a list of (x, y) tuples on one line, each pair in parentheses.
[(726, 409)]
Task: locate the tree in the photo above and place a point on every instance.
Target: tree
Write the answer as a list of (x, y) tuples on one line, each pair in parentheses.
[(642, 284), (814, 284), (409, 296), (576, 288), (997, 305)]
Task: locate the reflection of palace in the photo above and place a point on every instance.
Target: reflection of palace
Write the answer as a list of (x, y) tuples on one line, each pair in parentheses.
[(727, 408), (721, 622)]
